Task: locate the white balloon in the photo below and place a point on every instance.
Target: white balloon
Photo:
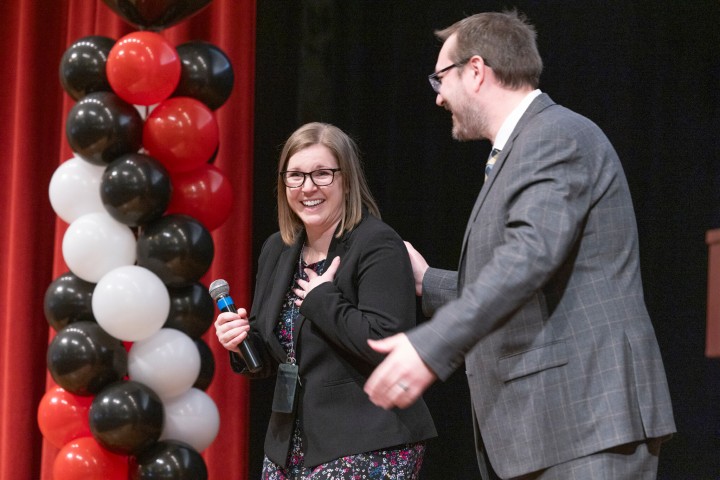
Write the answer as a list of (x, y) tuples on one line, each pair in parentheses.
[(95, 244), (192, 418), (75, 189), (131, 303), (168, 362)]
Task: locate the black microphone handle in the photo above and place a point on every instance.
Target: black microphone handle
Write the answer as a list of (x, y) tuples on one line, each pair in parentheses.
[(252, 360)]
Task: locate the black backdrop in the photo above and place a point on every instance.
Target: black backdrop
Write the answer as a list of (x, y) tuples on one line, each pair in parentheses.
[(647, 72)]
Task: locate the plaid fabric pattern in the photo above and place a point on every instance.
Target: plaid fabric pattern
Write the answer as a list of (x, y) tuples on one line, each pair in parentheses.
[(547, 313)]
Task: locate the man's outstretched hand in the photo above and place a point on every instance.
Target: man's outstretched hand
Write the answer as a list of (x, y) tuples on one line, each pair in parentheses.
[(401, 378)]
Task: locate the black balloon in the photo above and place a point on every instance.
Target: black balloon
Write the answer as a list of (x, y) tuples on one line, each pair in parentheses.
[(176, 248), (126, 417), (169, 460), (206, 75), (82, 66), (102, 126), (207, 365), (83, 358), (155, 14), (68, 299), (191, 310), (135, 189)]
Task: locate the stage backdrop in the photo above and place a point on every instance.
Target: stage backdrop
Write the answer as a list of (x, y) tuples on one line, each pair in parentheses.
[(647, 72), (33, 109)]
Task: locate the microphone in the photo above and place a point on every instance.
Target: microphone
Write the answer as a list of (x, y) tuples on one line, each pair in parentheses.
[(220, 292)]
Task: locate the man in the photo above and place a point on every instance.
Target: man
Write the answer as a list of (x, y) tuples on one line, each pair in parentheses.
[(546, 308)]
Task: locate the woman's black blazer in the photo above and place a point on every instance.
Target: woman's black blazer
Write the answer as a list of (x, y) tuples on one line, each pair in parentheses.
[(372, 296)]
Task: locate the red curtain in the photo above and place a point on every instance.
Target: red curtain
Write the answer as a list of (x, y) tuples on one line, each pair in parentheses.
[(33, 108)]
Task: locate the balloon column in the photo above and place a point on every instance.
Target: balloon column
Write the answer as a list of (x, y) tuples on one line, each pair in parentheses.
[(140, 197)]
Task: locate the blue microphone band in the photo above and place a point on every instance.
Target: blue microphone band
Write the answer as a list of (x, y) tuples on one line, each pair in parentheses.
[(225, 302)]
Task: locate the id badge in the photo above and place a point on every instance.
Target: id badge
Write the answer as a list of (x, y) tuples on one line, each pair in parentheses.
[(285, 388)]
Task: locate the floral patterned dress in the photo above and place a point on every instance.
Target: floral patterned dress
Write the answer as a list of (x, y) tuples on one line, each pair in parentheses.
[(401, 463)]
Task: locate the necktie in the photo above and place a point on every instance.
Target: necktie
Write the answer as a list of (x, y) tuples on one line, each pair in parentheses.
[(491, 162)]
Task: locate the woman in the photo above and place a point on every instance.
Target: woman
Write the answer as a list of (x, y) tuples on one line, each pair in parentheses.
[(333, 277)]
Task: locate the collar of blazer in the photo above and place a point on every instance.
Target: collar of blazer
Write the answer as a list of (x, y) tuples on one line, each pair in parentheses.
[(540, 103)]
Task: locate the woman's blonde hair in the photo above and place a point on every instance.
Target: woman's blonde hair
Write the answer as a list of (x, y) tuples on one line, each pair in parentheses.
[(345, 151)]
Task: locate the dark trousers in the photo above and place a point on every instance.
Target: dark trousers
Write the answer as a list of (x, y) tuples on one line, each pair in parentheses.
[(631, 461)]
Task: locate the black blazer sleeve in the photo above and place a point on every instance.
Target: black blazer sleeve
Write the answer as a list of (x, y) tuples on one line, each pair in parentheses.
[(264, 281)]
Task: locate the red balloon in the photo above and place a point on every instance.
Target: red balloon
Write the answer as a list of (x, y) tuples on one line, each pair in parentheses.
[(85, 458), (63, 417), (204, 193), (143, 68), (181, 133)]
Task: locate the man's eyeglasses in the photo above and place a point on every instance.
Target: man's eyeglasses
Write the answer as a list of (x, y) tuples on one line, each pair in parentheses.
[(321, 178), (436, 81)]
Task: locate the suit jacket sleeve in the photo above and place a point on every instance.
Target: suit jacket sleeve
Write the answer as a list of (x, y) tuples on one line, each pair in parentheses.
[(537, 219), (439, 287)]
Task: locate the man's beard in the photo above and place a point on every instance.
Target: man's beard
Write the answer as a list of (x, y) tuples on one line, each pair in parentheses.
[(469, 121)]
